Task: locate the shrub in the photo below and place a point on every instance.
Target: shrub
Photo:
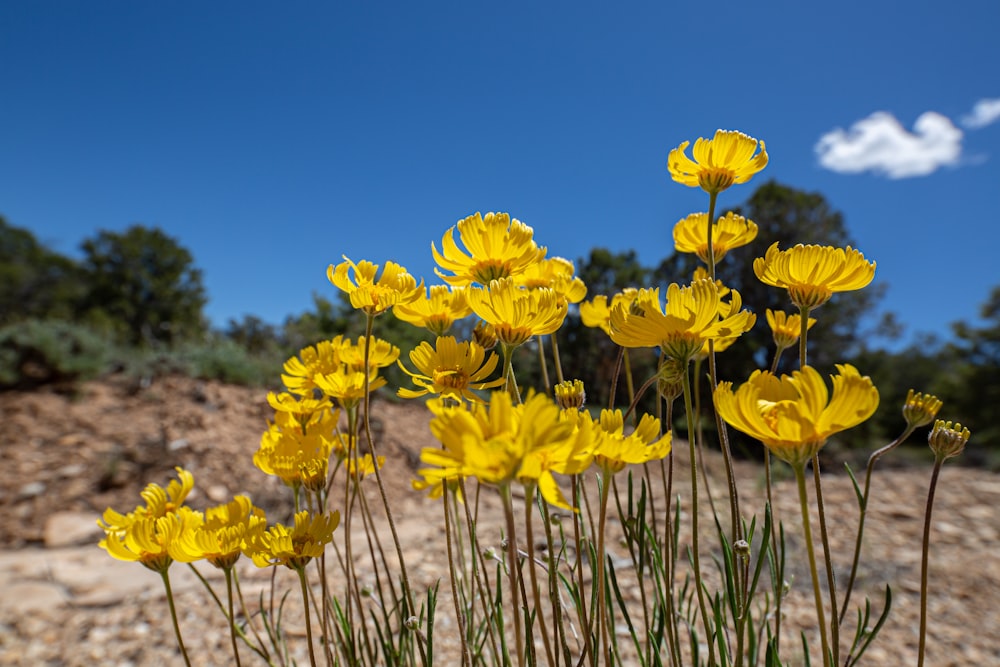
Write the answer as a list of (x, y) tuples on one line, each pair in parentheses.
[(34, 353)]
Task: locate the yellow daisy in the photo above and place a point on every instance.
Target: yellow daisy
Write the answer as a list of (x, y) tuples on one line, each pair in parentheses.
[(793, 416), (812, 273), (517, 314), (555, 273), (719, 162), (643, 444), (294, 547), (436, 312), (498, 247), (370, 294), (596, 313), (692, 315), (222, 536), (451, 368), (728, 232), (153, 541)]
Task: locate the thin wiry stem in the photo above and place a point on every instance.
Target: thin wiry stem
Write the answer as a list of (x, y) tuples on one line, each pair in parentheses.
[(863, 502), (696, 557), (800, 478), (831, 580), (173, 615), (924, 560)]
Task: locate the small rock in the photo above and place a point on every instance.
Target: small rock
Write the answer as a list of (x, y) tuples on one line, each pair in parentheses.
[(65, 529), (179, 443), (31, 489), (71, 470), (218, 493), (33, 596)]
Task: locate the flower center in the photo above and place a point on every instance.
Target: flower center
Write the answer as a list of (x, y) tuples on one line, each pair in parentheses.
[(490, 269), (453, 378)]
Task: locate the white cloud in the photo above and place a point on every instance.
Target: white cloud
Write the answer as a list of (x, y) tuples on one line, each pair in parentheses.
[(881, 144), (984, 112)]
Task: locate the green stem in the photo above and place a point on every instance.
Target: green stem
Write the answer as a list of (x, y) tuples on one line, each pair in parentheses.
[(173, 615), (305, 605), (456, 598), (803, 331), (232, 617), (696, 559), (779, 584), (529, 494), (924, 560), (800, 478), (546, 385), (508, 372), (513, 571), (407, 593), (555, 358), (578, 538), (831, 581), (602, 613), (712, 196)]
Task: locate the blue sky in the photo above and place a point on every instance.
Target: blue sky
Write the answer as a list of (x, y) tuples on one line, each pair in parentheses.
[(271, 138)]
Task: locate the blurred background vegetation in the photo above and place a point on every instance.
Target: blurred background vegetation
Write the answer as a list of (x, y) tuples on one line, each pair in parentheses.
[(133, 304)]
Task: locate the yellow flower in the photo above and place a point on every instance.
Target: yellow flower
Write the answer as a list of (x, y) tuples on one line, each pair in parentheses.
[(517, 314), (728, 232), (812, 273), (221, 538), (297, 454), (436, 312), (312, 360), (786, 328), (151, 540), (791, 415), (371, 295), (381, 353), (159, 503), (555, 273), (336, 367), (491, 442), (295, 547), (596, 313), (618, 450), (692, 315), (498, 247), (719, 162), (569, 456), (451, 368)]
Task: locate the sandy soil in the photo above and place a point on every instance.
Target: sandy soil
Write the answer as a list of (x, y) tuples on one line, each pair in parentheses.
[(68, 457)]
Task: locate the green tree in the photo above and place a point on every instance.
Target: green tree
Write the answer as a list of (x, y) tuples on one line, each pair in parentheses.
[(34, 281), (970, 378), (143, 284)]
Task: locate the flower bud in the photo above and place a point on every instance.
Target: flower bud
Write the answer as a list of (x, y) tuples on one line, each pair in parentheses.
[(920, 409), (570, 395), (742, 549), (670, 378), (484, 335), (946, 441), (412, 623)]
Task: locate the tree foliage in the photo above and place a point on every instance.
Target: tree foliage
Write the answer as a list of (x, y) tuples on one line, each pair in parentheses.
[(34, 281), (144, 284)]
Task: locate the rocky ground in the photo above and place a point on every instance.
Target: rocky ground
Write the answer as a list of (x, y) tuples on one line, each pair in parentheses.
[(66, 457)]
